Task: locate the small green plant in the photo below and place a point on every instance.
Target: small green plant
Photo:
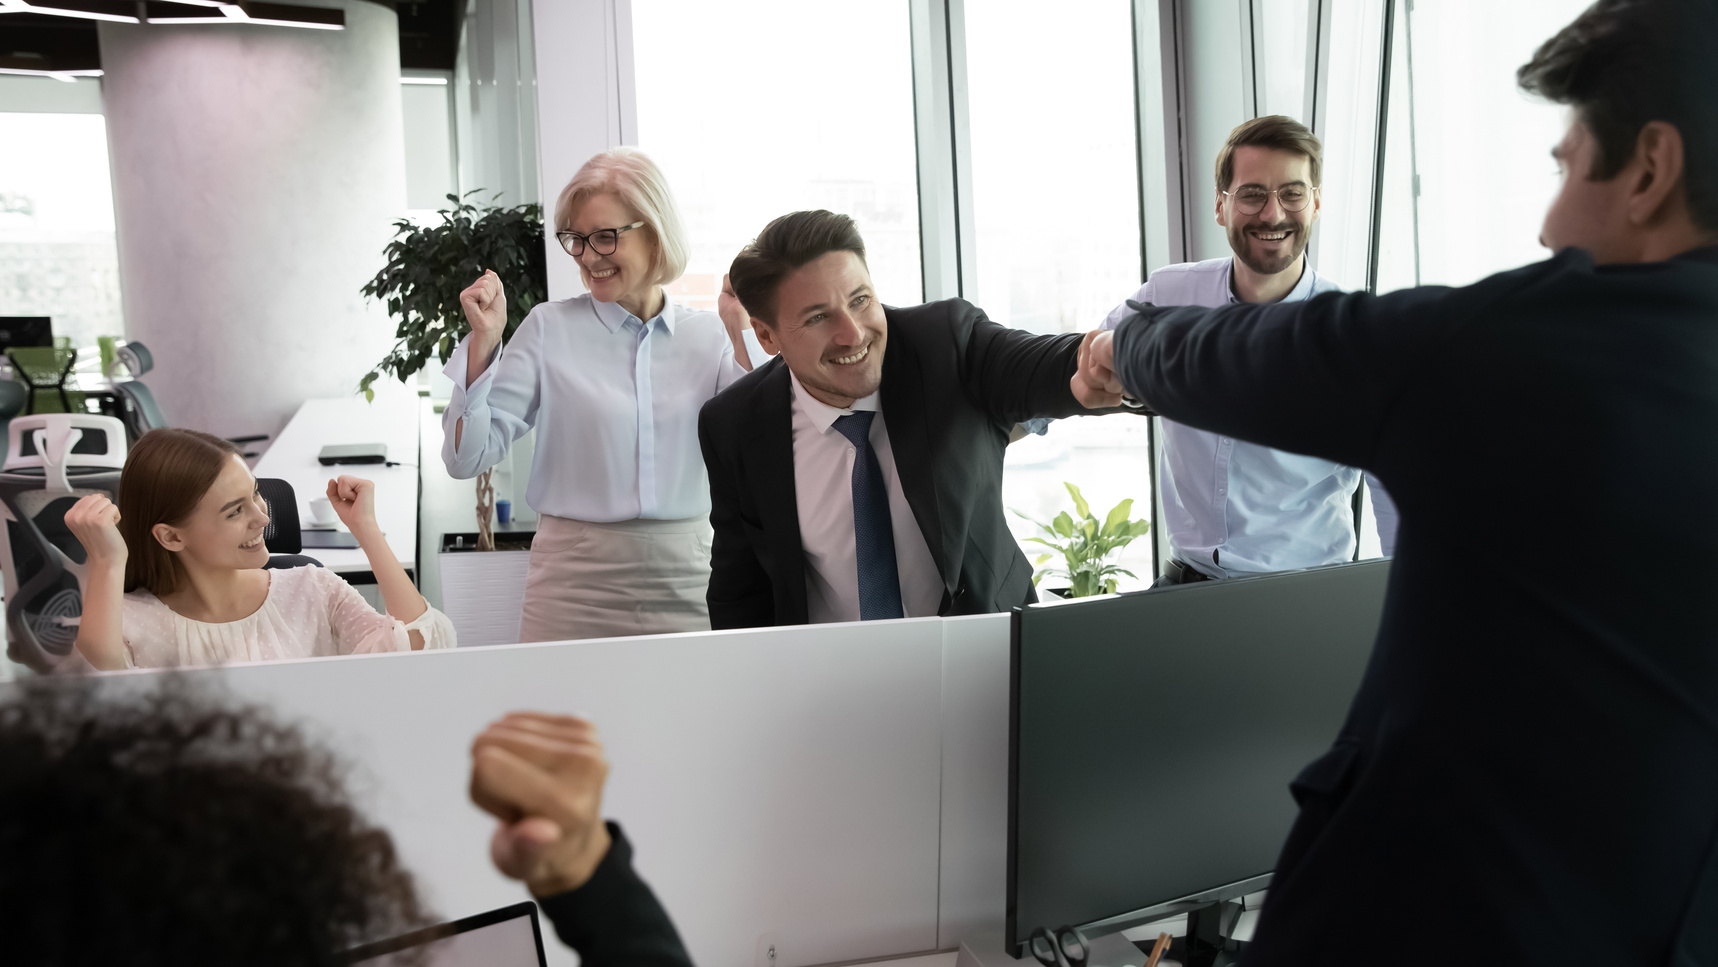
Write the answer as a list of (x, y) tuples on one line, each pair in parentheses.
[(1085, 544), (428, 266)]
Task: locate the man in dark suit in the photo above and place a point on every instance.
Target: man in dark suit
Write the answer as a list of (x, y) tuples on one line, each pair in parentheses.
[(1529, 773), (858, 475)]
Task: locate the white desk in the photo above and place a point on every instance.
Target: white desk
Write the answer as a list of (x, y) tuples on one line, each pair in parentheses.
[(392, 419)]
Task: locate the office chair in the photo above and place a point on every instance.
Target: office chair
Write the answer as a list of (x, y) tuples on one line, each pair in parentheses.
[(52, 460), (13, 396), (140, 411), (47, 368), (282, 537)]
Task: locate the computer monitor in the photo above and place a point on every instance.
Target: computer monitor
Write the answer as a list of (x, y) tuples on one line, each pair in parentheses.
[(1153, 735), (508, 937), (18, 331)]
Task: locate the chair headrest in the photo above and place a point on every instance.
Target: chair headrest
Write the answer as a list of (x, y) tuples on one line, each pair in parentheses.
[(135, 357), (58, 441)]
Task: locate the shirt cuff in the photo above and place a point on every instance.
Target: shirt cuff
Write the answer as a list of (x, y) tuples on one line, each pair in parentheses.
[(455, 370)]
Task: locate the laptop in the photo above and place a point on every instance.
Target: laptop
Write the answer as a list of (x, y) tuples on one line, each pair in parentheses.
[(508, 937)]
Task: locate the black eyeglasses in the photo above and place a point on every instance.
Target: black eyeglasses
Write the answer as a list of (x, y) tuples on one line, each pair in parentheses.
[(604, 241), (1251, 201)]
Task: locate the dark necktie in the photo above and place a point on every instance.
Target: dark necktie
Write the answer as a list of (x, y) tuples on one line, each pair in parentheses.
[(873, 534)]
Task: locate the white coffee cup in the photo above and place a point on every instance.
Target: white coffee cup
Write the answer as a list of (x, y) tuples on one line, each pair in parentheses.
[(322, 512)]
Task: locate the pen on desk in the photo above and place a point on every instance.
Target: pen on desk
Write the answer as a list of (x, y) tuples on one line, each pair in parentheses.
[(1157, 950)]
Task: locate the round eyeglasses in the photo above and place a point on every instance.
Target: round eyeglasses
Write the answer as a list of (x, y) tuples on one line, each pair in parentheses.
[(1251, 201), (603, 241)]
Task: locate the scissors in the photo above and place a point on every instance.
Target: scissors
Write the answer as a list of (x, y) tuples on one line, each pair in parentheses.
[(1067, 947)]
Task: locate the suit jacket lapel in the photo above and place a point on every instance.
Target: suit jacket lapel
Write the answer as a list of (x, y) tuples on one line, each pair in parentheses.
[(904, 413), (768, 450)]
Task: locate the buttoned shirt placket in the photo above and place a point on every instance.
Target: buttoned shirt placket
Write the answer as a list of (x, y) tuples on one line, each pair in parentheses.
[(646, 412)]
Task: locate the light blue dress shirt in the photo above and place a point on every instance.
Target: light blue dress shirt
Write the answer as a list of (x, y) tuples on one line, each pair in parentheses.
[(614, 401), (1234, 507)]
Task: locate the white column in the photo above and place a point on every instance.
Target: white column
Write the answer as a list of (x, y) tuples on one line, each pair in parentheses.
[(256, 171)]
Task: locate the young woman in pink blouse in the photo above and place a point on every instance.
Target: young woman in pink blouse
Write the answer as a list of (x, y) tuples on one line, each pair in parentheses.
[(175, 571)]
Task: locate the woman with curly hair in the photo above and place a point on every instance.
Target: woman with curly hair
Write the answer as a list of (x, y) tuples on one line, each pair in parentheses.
[(165, 829), (175, 571)]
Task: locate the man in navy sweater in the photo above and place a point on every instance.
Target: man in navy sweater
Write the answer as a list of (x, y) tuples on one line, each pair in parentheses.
[(1529, 774)]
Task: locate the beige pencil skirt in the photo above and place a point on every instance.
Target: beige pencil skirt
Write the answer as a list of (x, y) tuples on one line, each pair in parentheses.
[(632, 577)]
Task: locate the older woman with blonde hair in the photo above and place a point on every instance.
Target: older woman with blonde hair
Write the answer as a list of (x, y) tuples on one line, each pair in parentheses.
[(612, 380)]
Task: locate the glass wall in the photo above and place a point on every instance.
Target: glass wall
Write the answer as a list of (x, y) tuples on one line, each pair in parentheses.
[(1056, 210), (1347, 123), (755, 108)]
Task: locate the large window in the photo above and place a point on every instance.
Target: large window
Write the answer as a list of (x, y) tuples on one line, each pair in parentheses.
[(1056, 210), (1468, 167), (57, 255), (755, 108)]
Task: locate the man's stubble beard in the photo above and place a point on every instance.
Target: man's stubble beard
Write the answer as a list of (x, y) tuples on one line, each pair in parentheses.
[(1242, 245)]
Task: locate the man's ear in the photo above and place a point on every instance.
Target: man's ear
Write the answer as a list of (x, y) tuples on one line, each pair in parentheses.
[(167, 536), (1657, 175), (766, 336), (1220, 220)]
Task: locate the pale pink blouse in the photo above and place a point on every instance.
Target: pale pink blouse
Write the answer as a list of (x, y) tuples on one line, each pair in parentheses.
[(310, 611)]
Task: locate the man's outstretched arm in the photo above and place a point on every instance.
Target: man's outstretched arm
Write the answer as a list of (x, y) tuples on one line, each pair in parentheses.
[(1317, 377)]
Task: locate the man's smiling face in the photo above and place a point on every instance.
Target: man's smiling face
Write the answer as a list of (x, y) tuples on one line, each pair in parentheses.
[(829, 328), (1272, 240)]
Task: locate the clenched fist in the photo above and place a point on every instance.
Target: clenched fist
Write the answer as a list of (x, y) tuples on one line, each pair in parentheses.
[(485, 305), (542, 777), (94, 521), (1094, 383)]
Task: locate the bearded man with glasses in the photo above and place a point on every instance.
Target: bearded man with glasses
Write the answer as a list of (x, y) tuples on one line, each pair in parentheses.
[(1233, 507)]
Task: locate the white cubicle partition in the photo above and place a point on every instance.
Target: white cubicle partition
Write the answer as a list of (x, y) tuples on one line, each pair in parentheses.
[(823, 788)]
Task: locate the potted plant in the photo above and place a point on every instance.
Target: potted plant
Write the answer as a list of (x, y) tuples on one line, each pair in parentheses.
[(1086, 544), (427, 268)]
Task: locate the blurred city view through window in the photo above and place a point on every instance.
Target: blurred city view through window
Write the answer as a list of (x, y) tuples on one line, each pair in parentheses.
[(1056, 205), (57, 254), (756, 108)]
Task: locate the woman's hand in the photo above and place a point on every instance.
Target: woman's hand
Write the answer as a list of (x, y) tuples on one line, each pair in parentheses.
[(485, 305), (354, 499), (94, 521), (736, 320)]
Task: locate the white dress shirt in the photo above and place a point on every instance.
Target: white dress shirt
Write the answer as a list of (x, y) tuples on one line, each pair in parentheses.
[(1234, 507), (823, 487), (615, 403)]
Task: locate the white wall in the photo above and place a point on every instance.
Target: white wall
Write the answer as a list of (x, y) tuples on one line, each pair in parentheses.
[(829, 789), (256, 171)]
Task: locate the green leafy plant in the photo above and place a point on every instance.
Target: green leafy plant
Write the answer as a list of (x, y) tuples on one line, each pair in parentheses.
[(1085, 544), (429, 265)]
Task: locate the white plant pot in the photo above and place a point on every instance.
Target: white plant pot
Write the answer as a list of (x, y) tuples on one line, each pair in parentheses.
[(482, 592)]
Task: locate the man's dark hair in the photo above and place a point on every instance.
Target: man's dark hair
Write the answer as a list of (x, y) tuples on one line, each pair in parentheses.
[(1271, 131), (1624, 63), (784, 245), (164, 829)]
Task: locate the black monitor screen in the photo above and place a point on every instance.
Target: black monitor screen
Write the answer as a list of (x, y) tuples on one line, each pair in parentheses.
[(1153, 736), (26, 331)]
